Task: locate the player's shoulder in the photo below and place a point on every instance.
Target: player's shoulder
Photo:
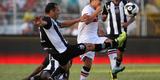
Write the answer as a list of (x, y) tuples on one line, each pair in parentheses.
[(124, 1), (87, 7), (108, 2), (46, 18)]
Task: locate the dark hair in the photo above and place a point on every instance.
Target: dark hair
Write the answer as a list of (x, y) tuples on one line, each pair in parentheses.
[(92, 0), (50, 6)]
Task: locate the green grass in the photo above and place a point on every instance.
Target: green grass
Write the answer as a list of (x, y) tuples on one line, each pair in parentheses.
[(98, 72)]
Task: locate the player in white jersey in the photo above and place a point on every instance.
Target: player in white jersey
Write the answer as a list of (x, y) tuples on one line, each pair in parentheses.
[(88, 33)]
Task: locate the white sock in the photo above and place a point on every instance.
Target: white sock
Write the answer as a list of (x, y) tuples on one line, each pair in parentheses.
[(83, 77), (112, 53), (84, 74)]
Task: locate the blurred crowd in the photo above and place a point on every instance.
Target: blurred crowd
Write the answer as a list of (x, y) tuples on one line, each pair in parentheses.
[(26, 10)]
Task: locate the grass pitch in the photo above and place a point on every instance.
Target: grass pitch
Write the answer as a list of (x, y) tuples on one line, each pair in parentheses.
[(98, 72)]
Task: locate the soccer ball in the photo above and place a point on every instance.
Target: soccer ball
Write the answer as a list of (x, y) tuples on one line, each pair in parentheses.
[(131, 9)]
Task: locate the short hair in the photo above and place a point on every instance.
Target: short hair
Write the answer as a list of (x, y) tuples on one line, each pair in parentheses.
[(92, 0), (50, 6)]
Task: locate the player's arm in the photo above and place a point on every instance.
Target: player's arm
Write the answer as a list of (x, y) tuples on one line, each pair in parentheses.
[(69, 23), (125, 24), (104, 13), (90, 18), (101, 32)]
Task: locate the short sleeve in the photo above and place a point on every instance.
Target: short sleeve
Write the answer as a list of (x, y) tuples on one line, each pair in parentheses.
[(87, 11), (49, 22)]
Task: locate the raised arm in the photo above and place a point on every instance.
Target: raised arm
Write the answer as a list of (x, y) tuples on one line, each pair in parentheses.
[(69, 23), (125, 24)]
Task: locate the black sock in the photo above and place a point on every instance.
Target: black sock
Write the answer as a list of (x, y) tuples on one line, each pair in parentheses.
[(113, 45), (99, 47), (58, 72)]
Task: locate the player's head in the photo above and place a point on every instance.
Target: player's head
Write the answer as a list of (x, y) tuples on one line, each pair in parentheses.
[(116, 0), (52, 10), (95, 3)]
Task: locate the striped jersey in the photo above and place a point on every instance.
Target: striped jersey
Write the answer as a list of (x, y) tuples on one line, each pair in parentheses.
[(115, 17), (50, 36)]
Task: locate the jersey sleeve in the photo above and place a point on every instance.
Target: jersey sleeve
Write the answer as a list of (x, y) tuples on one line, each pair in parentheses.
[(87, 11), (49, 22), (124, 2), (46, 61)]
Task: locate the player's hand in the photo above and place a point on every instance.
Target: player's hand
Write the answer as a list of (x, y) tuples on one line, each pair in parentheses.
[(104, 17), (125, 24), (84, 18), (98, 8)]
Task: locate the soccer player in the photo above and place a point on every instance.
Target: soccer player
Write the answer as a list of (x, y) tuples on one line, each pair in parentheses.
[(88, 33), (44, 71), (54, 43), (117, 23)]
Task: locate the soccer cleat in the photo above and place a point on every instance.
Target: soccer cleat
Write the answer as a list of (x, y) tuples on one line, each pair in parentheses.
[(115, 71), (121, 38), (113, 76)]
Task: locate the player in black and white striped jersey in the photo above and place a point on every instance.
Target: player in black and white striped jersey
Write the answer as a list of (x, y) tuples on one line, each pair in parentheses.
[(54, 43), (117, 23)]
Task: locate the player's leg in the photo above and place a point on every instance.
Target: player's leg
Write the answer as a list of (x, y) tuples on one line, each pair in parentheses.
[(119, 58), (87, 59), (65, 76), (76, 50), (121, 52), (62, 69), (114, 59)]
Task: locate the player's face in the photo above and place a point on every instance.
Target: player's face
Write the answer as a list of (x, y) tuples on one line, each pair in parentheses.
[(55, 12), (98, 2)]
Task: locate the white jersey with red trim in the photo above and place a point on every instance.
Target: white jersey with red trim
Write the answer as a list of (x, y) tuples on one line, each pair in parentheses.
[(87, 32)]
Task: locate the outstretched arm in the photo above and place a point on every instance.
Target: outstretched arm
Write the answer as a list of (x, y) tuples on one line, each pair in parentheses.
[(69, 23), (125, 24)]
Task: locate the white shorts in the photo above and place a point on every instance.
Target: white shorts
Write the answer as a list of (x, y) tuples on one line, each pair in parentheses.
[(91, 54)]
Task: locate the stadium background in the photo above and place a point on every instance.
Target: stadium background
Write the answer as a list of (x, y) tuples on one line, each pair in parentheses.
[(19, 40)]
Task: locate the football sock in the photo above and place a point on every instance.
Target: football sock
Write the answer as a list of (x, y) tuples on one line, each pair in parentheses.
[(112, 53), (84, 73), (118, 62)]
